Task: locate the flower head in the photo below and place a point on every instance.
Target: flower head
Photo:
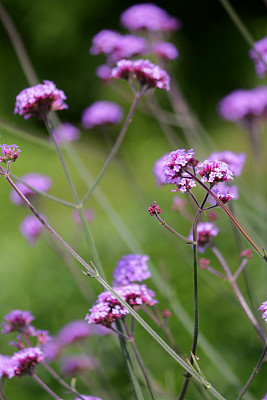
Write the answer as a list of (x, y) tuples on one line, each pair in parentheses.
[(108, 309), (104, 72), (263, 308), (154, 209), (31, 228), (17, 320), (165, 50), (40, 99), (6, 367), (214, 171), (42, 336), (9, 152), (66, 133), (174, 164), (260, 61), (101, 113), (26, 360), (184, 185), (143, 71), (72, 332), (158, 171), (235, 161), (75, 364), (51, 350), (242, 105), (205, 233), (131, 268), (224, 192), (40, 182), (149, 17)]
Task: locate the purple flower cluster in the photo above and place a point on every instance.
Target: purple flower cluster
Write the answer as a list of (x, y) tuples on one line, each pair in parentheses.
[(148, 17), (242, 105), (263, 308), (154, 209), (101, 113), (88, 398), (184, 185), (31, 228), (260, 61), (9, 152), (17, 320), (40, 182), (75, 364), (66, 133), (235, 161), (165, 50), (6, 367), (146, 73), (175, 163), (205, 233), (108, 309), (214, 171), (224, 192), (25, 361), (39, 100), (72, 332), (131, 268)]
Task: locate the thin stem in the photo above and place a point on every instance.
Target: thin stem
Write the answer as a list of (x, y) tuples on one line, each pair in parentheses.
[(45, 387), (253, 375), (115, 147), (240, 268), (2, 395), (188, 241)]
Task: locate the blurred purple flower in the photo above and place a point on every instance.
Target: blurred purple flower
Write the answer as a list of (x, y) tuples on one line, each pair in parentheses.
[(17, 320), (88, 397), (75, 364), (40, 182), (261, 48), (42, 336), (9, 152), (67, 133), (149, 17), (263, 308), (159, 172), (6, 367), (205, 233), (165, 50), (104, 72), (131, 268), (26, 360), (40, 99), (72, 332), (31, 228), (102, 113), (214, 171), (234, 160), (51, 350), (224, 192)]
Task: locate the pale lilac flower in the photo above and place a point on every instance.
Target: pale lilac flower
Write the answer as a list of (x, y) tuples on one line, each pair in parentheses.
[(242, 105), (144, 71), (40, 99), (9, 152), (31, 228), (205, 234), (101, 113), (66, 133), (72, 332), (104, 42), (104, 72), (263, 308), (18, 343), (17, 320), (235, 161), (184, 185), (88, 397), (149, 17), (165, 50), (26, 360), (108, 309), (40, 182), (175, 163), (154, 209), (131, 268), (224, 192), (214, 171), (265, 397), (159, 172), (89, 215), (51, 350), (261, 48), (75, 364), (43, 336), (6, 367)]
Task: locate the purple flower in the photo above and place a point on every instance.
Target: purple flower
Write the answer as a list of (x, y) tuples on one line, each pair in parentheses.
[(51, 350), (159, 172), (42, 336), (154, 209), (175, 163), (265, 397), (144, 71), (108, 309), (131, 268), (38, 181), (17, 320), (101, 113), (9, 152), (234, 160), (205, 233), (165, 50), (149, 17), (184, 185), (263, 308), (75, 364), (67, 133), (214, 171), (72, 332), (104, 72), (261, 48), (6, 367), (26, 360), (88, 397), (89, 215), (242, 105), (224, 192), (40, 99), (31, 228), (104, 42)]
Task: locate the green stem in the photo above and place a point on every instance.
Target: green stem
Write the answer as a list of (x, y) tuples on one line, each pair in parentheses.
[(173, 231), (2, 395)]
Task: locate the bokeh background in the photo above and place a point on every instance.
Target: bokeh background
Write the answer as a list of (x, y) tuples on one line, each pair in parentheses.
[(213, 62)]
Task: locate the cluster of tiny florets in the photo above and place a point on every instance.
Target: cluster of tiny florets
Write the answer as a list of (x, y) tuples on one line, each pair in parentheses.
[(66, 133), (131, 268), (224, 192), (26, 360), (17, 320), (259, 56), (214, 171), (184, 185), (175, 163), (263, 308), (235, 161), (154, 209), (39, 100), (9, 152), (102, 113)]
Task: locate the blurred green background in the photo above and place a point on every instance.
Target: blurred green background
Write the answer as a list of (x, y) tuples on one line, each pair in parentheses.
[(213, 62)]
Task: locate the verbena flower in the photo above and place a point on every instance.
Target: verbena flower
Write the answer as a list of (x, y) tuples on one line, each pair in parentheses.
[(263, 308), (42, 336), (9, 152), (184, 185), (6, 367), (165, 50), (101, 113), (149, 17), (66, 133), (51, 350), (244, 105), (261, 48), (143, 71), (265, 397), (72, 332), (104, 72), (131, 268), (108, 309), (75, 364), (31, 228), (159, 172), (88, 397), (39, 99), (235, 161), (206, 231), (26, 360), (214, 171), (224, 192), (17, 320), (175, 163), (154, 209), (18, 343), (40, 182)]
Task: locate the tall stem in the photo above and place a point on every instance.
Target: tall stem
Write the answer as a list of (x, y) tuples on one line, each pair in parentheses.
[(2, 395)]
